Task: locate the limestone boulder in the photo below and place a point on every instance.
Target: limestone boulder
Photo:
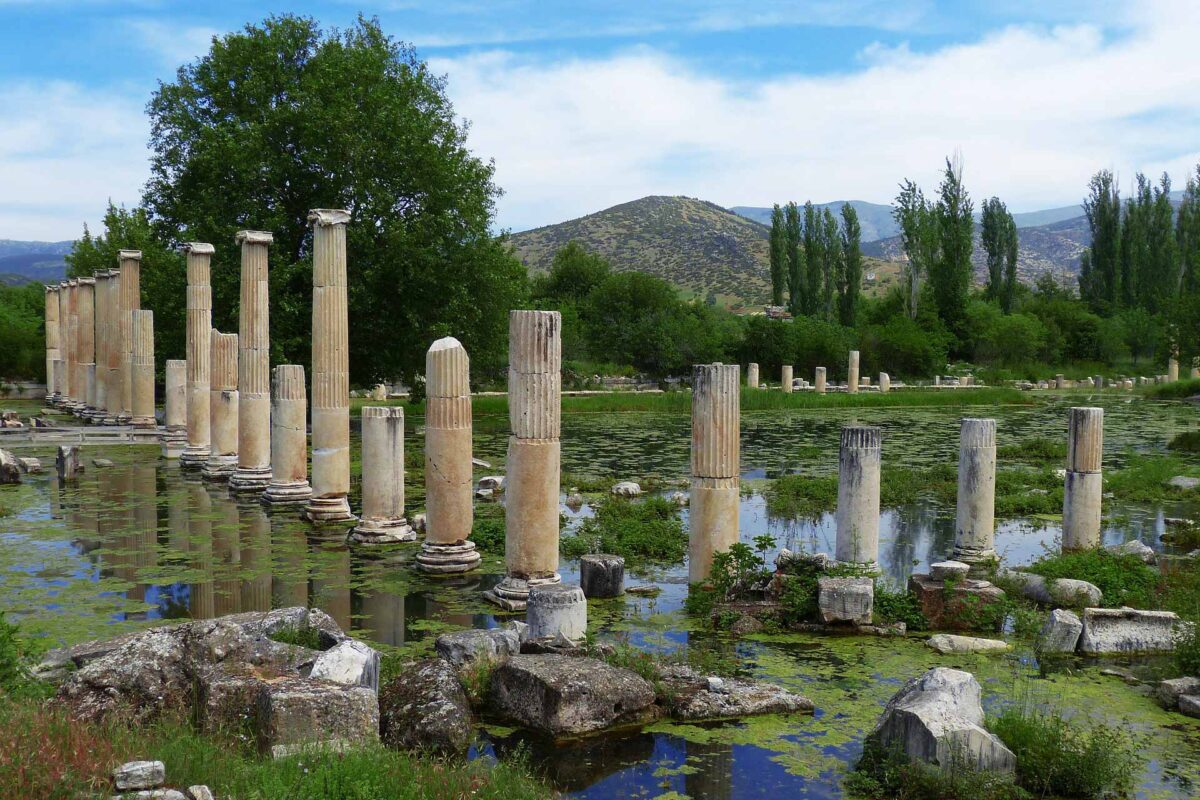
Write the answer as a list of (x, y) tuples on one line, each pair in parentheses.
[(1135, 548), (627, 489), (1189, 705), (68, 462), (1057, 592), (139, 775), (845, 600), (493, 482), (1127, 631), (948, 643), (566, 696), (294, 713), (1183, 482), (426, 709), (1060, 633), (1169, 691), (949, 570), (30, 465), (602, 575), (692, 696), (350, 662), (962, 605), (10, 469), (938, 715), (463, 647)]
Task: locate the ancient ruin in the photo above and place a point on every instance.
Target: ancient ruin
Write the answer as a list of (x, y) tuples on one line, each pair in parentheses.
[(852, 373), (289, 439), (253, 471), (716, 428), (858, 496), (223, 406), (975, 525), (199, 323), (142, 369), (130, 300), (382, 520), (1084, 485), (174, 435)]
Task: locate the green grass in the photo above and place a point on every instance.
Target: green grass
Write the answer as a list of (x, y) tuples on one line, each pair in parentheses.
[(300, 635), (1041, 451), (1144, 478), (1186, 442), (1179, 390), (890, 775), (648, 530), (801, 496), (487, 530), (680, 402), (1123, 579)]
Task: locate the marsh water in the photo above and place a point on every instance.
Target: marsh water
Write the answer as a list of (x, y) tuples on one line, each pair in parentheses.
[(138, 542)]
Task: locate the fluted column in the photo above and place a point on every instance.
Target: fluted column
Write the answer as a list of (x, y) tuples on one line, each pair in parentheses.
[(72, 402), (52, 344), (852, 373), (975, 525), (87, 346), (142, 365), (112, 348), (382, 519), (199, 323), (716, 458), (449, 512), (858, 497), (331, 370), (1084, 485), (253, 472), (64, 334), (223, 406), (131, 300), (885, 383), (534, 456), (101, 292), (174, 436), (289, 439), (785, 378), (819, 380), (752, 375)]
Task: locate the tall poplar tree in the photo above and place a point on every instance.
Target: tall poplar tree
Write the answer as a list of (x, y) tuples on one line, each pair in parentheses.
[(918, 237), (1009, 294), (1187, 235), (831, 248), (1102, 207), (814, 254), (779, 255), (795, 259), (850, 283), (993, 232), (950, 275), (1163, 267)]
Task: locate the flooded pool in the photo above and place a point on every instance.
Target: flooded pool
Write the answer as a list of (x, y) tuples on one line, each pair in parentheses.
[(138, 542)]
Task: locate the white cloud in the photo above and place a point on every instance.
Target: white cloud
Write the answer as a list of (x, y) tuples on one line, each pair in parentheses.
[(64, 152), (172, 44), (1035, 110)]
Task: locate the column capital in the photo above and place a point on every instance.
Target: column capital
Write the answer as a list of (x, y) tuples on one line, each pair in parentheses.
[(129, 255), (198, 248), (254, 237), (328, 216)]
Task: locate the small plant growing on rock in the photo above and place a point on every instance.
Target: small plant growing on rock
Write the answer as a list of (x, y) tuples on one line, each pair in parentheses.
[(888, 774), (302, 635)]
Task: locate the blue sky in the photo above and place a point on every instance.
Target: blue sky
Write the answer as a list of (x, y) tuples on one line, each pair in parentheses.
[(587, 104)]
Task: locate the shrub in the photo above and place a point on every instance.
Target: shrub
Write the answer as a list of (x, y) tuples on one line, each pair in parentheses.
[(1187, 442), (1068, 758), (1035, 451), (487, 530), (1123, 579), (646, 530), (801, 496), (890, 775), (898, 606), (302, 635)]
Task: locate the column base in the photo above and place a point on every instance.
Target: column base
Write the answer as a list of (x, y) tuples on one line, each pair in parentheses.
[(250, 480), (173, 443), (382, 531), (868, 569), (512, 593), (448, 559), (980, 561), (193, 457), (218, 469), (323, 510), (143, 422), (286, 494), (124, 418)]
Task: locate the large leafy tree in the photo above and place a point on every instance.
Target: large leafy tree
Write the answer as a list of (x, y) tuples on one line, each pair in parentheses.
[(919, 238), (283, 117)]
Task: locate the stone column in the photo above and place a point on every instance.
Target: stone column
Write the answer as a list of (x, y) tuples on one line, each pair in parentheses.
[(1084, 484), (52, 344), (223, 406), (858, 497), (199, 323), (532, 467), (382, 520), (785, 379), (852, 373), (716, 457), (331, 370), (819, 380), (885, 383), (975, 529), (1060, 381), (101, 292), (253, 472), (87, 346), (1173, 369), (142, 366), (1098, 382), (131, 300), (64, 338), (112, 348), (289, 439), (449, 510), (72, 393), (752, 375), (174, 436)]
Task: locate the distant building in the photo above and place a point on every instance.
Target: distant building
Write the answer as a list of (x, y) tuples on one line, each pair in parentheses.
[(776, 312)]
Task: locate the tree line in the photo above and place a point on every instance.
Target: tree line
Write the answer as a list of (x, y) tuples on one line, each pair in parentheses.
[(817, 260)]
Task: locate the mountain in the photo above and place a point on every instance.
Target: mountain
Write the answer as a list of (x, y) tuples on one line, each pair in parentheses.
[(696, 245), (875, 219), (39, 262)]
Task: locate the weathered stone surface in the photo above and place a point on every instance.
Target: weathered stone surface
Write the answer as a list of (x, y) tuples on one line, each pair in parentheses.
[(493, 482), (947, 643), (140, 775), (300, 711), (1183, 482), (426, 709), (1169, 691), (564, 696), (1061, 632), (692, 696), (463, 647), (627, 489), (1189, 705), (846, 599), (787, 560), (949, 570), (963, 605), (1057, 591), (225, 699), (199, 793), (602, 575), (556, 611), (10, 470), (938, 714), (1127, 630), (30, 465), (68, 462), (350, 662), (1135, 548)]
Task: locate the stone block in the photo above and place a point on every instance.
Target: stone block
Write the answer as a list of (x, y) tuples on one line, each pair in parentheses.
[(602, 575), (694, 697), (963, 605), (627, 489), (948, 643), (139, 775), (1135, 548), (1057, 591), (299, 711), (349, 662), (464, 647), (426, 709), (1127, 631), (1061, 632), (845, 599), (567, 696), (1189, 705), (557, 610), (1169, 691), (949, 570)]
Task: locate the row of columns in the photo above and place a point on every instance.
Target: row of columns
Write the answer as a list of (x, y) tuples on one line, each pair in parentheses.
[(787, 373)]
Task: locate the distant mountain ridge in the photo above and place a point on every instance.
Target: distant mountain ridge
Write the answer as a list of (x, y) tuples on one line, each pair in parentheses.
[(37, 262)]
